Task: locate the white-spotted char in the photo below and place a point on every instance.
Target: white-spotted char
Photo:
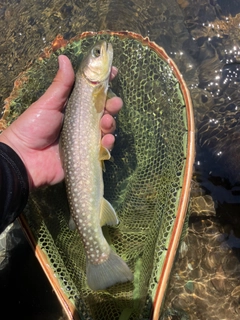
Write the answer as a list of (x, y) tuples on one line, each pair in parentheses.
[(82, 157)]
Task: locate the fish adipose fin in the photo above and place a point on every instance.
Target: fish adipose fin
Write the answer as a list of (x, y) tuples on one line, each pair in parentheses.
[(108, 215), (104, 275)]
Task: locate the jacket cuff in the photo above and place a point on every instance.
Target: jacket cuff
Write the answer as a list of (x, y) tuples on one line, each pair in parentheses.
[(14, 186)]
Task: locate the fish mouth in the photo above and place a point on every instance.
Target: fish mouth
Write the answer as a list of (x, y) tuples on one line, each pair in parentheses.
[(104, 47), (108, 46), (107, 51), (98, 66), (109, 57)]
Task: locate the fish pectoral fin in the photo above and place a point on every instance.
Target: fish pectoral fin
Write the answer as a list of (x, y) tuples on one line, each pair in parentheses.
[(100, 98), (110, 93), (103, 166), (104, 154), (108, 215)]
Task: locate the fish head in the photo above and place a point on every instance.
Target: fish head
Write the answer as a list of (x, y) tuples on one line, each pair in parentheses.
[(96, 66)]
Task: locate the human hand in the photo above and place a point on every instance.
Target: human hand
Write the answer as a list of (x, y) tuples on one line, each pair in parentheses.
[(34, 136)]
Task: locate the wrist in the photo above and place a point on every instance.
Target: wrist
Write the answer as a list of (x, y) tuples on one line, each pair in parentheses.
[(8, 141)]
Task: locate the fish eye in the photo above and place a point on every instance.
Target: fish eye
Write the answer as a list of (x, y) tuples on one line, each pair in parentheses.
[(96, 52)]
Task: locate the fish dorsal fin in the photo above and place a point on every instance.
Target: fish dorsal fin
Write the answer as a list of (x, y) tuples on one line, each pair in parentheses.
[(100, 98), (108, 215)]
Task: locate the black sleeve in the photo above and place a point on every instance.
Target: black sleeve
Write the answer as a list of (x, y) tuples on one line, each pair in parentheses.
[(14, 187)]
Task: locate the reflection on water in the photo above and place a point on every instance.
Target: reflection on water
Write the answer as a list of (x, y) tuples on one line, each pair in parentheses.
[(203, 38), (205, 280)]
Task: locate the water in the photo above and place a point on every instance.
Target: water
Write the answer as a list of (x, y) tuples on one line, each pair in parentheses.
[(203, 38)]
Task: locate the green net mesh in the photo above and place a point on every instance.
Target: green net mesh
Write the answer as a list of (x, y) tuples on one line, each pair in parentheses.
[(143, 183)]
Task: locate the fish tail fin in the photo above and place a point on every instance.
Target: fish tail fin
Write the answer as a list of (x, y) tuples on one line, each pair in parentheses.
[(108, 273)]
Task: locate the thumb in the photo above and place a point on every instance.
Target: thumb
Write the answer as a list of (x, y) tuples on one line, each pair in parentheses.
[(56, 95)]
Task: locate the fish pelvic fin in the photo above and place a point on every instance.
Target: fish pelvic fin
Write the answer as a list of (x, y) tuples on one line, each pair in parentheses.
[(113, 270), (108, 215)]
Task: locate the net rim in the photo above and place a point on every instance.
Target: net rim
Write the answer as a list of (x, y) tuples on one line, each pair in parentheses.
[(59, 42), (42, 258)]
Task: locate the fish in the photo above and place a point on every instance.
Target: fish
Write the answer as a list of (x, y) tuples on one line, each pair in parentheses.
[(82, 156)]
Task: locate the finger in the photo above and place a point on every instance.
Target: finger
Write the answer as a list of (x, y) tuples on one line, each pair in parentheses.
[(113, 105), (113, 73), (58, 92), (108, 124), (108, 141)]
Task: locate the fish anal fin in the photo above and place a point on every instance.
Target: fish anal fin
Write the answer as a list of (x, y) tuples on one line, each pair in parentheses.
[(113, 270), (108, 215)]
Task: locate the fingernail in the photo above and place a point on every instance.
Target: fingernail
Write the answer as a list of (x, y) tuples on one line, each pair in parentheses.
[(61, 62), (114, 71)]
